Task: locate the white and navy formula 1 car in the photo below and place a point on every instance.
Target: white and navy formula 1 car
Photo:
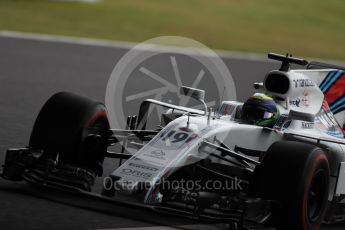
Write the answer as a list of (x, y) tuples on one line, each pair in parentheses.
[(275, 161)]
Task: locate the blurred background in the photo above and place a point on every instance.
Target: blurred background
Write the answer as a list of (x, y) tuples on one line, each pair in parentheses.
[(307, 28)]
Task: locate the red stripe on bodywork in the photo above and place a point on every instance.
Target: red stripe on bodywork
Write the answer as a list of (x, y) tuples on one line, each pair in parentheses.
[(336, 91)]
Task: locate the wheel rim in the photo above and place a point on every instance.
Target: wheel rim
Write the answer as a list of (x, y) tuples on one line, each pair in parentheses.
[(316, 196)]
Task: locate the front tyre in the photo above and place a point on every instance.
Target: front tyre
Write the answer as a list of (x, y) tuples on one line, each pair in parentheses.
[(62, 127), (297, 176)]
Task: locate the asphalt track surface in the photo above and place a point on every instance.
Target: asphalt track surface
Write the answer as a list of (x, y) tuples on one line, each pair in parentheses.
[(30, 72)]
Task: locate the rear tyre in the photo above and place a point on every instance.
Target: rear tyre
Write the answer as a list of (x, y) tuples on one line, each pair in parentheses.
[(297, 176), (62, 127)]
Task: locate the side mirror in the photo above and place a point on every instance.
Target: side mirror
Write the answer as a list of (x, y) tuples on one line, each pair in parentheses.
[(258, 85), (297, 115), (197, 94)]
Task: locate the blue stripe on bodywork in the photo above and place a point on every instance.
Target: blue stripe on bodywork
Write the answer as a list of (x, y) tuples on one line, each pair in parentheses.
[(337, 104), (327, 79), (339, 109), (332, 80)]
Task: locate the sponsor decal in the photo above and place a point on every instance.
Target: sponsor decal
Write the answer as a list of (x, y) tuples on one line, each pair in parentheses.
[(295, 102), (307, 125), (158, 154), (143, 167), (302, 83), (136, 173), (304, 101)]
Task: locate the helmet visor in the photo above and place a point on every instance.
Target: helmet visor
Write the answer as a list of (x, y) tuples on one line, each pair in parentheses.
[(255, 114)]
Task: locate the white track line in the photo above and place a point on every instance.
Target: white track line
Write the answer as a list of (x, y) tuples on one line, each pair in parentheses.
[(128, 45), (66, 39), (114, 44)]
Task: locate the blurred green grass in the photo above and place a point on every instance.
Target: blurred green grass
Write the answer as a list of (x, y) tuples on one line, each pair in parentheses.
[(310, 28)]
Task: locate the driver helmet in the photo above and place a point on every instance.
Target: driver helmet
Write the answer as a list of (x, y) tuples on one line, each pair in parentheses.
[(261, 110)]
